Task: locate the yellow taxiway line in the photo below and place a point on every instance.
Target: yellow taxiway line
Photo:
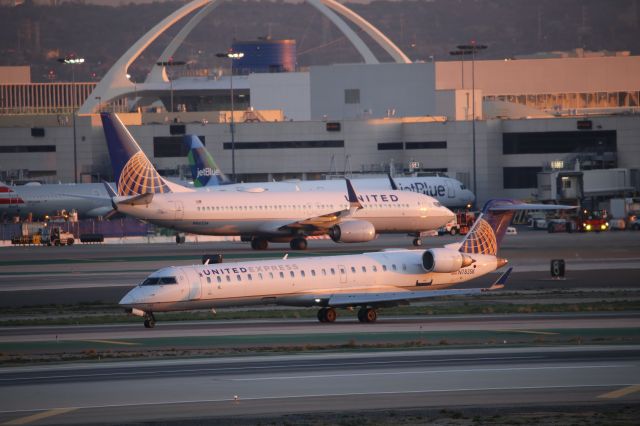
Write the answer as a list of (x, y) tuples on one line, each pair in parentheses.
[(620, 392), (547, 333), (112, 342), (35, 417)]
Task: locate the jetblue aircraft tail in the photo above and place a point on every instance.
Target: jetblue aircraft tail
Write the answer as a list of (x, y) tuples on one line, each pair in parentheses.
[(490, 227), (204, 170), (133, 172)]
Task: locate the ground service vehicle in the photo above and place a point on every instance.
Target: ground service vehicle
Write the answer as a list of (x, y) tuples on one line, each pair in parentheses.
[(56, 236), (460, 225), (586, 221)]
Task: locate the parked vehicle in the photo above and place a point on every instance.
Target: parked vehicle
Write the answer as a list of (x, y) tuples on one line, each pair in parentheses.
[(461, 224), (54, 235)]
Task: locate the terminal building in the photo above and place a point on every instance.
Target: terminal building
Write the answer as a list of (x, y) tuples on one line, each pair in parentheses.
[(505, 128)]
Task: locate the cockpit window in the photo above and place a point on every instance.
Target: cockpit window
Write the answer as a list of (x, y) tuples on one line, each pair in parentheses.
[(150, 281), (159, 281)]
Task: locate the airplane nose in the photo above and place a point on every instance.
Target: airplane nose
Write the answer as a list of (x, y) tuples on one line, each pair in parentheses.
[(127, 299)]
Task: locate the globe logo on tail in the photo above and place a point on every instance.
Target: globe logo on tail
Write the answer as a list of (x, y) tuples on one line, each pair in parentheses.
[(481, 239), (138, 176)]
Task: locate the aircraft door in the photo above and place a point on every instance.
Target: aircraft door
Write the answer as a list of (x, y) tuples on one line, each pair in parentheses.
[(195, 286), (343, 274), (451, 190), (178, 209)]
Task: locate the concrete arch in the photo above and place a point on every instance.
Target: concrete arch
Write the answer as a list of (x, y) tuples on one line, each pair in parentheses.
[(116, 84), (393, 50), (158, 73), (361, 47)]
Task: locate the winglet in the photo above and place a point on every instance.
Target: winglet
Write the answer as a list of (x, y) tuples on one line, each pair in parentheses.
[(109, 189), (499, 283), (352, 197), (394, 186)]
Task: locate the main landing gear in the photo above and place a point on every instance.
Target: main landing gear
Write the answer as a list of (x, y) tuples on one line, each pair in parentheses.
[(327, 315), (417, 242), (149, 320), (298, 244), (364, 314), (367, 314), (259, 243)]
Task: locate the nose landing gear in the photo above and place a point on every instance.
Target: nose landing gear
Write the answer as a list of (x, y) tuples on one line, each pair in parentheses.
[(149, 320)]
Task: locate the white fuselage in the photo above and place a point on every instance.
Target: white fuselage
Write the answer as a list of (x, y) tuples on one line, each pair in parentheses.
[(449, 192), (271, 213), (87, 199), (296, 282)]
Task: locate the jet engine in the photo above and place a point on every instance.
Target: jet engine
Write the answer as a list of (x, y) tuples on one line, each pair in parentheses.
[(353, 231), (444, 260)]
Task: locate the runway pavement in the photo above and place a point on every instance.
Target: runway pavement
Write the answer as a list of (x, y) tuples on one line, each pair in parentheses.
[(224, 388)]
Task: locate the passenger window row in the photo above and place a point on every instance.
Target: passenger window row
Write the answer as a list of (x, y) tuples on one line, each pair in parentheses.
[(303, 273)]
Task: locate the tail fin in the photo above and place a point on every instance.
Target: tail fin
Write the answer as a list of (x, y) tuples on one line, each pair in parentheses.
[(204, 170), (490, 227), (134, 174)]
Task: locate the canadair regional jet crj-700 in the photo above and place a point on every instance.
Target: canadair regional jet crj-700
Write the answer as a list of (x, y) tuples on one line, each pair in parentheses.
[(366, 281), (264, 216)]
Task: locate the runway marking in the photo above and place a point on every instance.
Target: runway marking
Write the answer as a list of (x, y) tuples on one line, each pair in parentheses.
[(112, 342), (620, 392), (324, 395), (39, 416), (468, 370), (527, 332), (246, 368)]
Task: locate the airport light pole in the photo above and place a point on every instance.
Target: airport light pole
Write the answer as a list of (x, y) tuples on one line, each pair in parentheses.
[(473, 48), (232, 56), (73, 61), (169, 63)]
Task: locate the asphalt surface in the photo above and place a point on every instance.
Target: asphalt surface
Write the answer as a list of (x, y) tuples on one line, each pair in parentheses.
[(223, 388), (103, 273)]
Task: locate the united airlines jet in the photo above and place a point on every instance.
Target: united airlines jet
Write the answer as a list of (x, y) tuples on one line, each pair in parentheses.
[(366, 281), (205, 173), (263, 216), (87, 199)]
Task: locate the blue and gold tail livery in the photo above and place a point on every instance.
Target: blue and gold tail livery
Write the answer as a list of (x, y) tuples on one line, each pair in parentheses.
[(204, 170), (489, 229), (491, 226), (133, 172)]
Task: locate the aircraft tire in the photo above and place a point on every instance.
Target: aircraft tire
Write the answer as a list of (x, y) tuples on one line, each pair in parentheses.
[(417, 242), (361, 314), (321, 315), (330, 315), (453, 231), (367, 315), (298, 244), (259, 244)]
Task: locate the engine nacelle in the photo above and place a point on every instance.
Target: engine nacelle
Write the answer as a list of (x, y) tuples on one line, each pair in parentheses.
[(444, 260), (353, 231)]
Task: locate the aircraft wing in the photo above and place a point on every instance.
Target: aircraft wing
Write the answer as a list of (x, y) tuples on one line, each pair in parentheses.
[(405, 297), (327, 220)]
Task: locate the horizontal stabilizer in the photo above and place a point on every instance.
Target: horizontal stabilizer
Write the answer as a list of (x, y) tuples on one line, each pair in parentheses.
[(137, 200)]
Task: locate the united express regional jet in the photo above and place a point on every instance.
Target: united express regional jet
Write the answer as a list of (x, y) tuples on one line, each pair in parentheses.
[(261, 217), (365, 281)]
